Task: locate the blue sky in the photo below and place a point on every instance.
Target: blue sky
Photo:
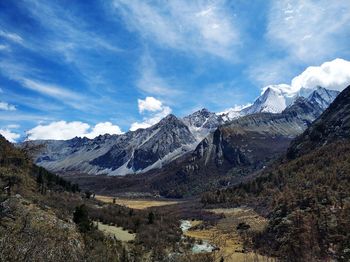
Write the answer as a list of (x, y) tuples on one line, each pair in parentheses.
[(87, 67)]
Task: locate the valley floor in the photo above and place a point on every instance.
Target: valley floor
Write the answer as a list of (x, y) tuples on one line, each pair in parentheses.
[(135, 203), (212, 233)]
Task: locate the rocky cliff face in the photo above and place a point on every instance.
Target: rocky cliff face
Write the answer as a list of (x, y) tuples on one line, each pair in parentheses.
[(230, 142), (332, 125), (129, 153), (234, 150), (202, 122)]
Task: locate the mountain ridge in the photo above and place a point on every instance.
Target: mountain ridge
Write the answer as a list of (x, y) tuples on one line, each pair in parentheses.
[(151, 148)]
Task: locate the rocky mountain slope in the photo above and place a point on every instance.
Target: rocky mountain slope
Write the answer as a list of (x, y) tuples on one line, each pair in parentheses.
[(152, 148), (202, 122), (305, 195), (119, 154), (276, 98), (334, 124), (236, 149)]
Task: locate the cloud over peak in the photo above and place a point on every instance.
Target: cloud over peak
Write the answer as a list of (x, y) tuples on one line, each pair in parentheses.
[(156, 111), (149, 104), (334, 75), (62, 130)]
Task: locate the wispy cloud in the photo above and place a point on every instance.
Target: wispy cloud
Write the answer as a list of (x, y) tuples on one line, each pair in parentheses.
[(68, 37), (49, 89), (151, 83), (5, 48), (270, 71), (11, 36), (7, 107), (191, 26), (27, 78), (310, 31)]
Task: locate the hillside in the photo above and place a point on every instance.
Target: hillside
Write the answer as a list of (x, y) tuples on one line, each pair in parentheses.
[(45, 218), (333, 125), (233, 151), (307, 198)]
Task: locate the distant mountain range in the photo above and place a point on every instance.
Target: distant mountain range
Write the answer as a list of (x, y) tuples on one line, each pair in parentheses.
[(225, 138)]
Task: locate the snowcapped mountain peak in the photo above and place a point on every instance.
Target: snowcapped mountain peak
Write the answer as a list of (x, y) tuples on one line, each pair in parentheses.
[(202, 122), (322, 96), (274, 100), (203, 118)]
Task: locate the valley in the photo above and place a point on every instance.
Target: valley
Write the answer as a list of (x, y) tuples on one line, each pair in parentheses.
[(260, 187)]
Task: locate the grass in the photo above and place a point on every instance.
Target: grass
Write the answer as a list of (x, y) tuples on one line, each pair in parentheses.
[(118, 232), (135, 203)]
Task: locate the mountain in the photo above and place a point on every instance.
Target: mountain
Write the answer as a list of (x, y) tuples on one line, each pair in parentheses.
[(334, 124), (277, 98), (202, 122), (305, 195), (43, 217), (273, 100), (323, 97), (151, 148), (128, 153), (234, 150)]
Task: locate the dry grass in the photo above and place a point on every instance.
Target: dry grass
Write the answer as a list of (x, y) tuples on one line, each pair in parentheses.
[(135, 203), (225, 236), (118, 232)]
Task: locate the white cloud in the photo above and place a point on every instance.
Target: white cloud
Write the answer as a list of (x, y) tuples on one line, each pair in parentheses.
[(13, 126), (152, 120), (332, 75), (7, 107), (309, 30), (11, 36), (149, 104), (104, 128), (63, 130), (235, 108), (9, 135), (192, 26), (156, 111), (4, 48)]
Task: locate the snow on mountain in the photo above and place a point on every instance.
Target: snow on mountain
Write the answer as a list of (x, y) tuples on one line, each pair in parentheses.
[(276, 98), (150, 148), (132, 152), (232, 113), (202, 122), (323, 97)]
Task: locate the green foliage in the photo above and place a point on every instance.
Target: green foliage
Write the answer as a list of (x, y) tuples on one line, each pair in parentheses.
[(46, 179), (81, 218), (150, 217), (307, 201)]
